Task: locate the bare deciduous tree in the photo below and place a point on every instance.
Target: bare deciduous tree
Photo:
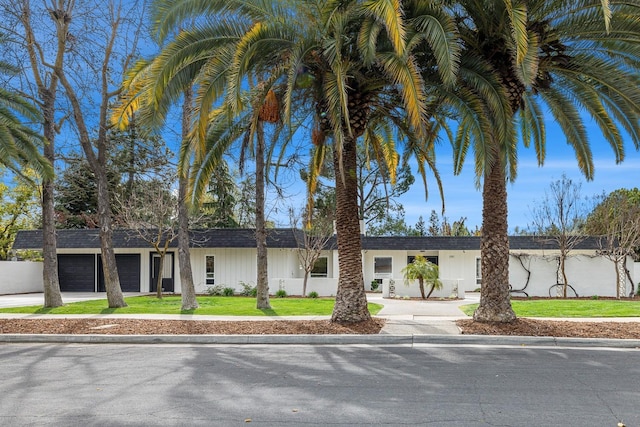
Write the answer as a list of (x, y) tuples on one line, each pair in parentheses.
[(151, 212), (617, 219), (311, 240), (105, 55), (557, 218), (42, 84)]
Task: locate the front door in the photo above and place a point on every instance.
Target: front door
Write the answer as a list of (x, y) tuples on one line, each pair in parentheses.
[(167, 272)]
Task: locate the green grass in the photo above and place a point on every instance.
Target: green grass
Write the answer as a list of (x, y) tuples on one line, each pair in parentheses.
[(569, 308), (216, 306)]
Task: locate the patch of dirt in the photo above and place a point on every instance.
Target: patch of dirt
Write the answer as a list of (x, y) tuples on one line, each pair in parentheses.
[(184, 327), (548, 328)]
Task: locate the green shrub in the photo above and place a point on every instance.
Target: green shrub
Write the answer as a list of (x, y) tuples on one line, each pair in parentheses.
[(281, 293), (312, 294), (374, 285), (216, 290), (248, 290), (228, 292), (595, 297)]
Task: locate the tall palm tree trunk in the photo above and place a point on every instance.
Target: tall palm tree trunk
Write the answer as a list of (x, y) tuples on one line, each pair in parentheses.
[(351, 299), (188, 290), (495, 296), (262, 297)]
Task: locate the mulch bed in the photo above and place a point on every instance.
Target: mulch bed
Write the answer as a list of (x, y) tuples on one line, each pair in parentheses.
[(184, 327), (548, 328)]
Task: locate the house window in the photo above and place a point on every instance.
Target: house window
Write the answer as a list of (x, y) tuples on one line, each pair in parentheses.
[(210, 276), (478, 272), (320, 267), (433, 259), (382, 267)]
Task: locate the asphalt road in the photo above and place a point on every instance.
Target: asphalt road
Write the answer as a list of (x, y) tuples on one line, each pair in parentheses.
[(209, 385)]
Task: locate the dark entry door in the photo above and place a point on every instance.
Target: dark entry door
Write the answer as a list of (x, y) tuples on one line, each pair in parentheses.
[(167, 272), (77, 272), (128, 272)]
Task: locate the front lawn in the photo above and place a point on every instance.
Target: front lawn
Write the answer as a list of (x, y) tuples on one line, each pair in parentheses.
[(569, 308), (216, 306)]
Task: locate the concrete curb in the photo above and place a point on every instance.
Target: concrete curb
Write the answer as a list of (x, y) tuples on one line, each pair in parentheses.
[(385, 340)]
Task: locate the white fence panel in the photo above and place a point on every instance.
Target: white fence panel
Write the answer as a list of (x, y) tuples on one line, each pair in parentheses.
[(20, 277)]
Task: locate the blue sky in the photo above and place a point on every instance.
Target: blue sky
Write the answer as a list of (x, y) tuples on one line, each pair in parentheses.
[(462, 199)]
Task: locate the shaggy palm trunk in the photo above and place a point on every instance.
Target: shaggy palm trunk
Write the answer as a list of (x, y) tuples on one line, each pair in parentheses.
[(495, 297), (262, 297), (109, 266), (188, 290), (189, 301), (351, 299), (51, 284)]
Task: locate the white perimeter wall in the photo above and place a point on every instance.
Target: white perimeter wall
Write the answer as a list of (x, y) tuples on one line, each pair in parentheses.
[(17, 277), (588, 275)]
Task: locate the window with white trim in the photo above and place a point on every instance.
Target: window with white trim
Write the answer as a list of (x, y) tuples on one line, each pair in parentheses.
[(478, 272), (382, 267), (320, 267), (210, 274)]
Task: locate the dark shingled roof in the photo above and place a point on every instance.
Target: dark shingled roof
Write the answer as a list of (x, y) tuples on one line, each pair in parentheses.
[(279, 238)]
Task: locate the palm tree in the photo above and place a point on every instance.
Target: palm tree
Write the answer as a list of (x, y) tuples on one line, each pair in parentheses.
[(577, 58), (337, 62), (423, 271), (20, 145)]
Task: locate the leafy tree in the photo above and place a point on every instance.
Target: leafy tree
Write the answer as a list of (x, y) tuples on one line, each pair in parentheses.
[(377, 195), (130, 158), (559, 218), (420, 227), (424, 271), (573, 57), (306, 53), (219, 204), (77, 194), (617, 218), (442, 227), (393, 224), (19, 209)]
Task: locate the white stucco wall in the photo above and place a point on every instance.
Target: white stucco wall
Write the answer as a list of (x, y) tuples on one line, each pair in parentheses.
[(18, 277), (588, 275)]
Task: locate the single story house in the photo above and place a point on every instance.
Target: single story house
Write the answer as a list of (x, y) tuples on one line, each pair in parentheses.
[(227, 257)]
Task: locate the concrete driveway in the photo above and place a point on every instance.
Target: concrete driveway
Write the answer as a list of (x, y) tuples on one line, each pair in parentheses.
[(37, 298)]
